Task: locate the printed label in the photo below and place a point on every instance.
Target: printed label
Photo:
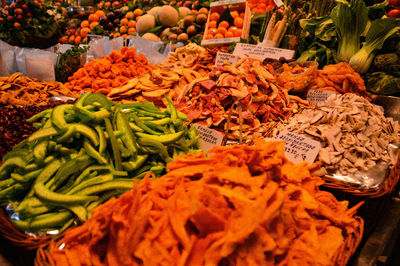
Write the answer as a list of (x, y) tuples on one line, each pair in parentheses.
[(278, 3), (299, 148), (227, 2), (262, 52), (222, 58), (208, 137), (318, 96)]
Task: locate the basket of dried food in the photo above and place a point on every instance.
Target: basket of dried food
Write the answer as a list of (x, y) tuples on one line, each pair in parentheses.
[(244, 205), (81, 155), (359, 145)]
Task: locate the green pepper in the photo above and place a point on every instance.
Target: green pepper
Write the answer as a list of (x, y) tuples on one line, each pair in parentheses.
[(133, 165), (40, 150), (114, 145), (57, 116), (102, 140), (128, 138), (43, 221), (12, 163), (158, 146), (28, 177), (165, 139), (71, 167), (109, 185), (142, 125), (89, 182), (44, 113), (93, 153), (43, 133)]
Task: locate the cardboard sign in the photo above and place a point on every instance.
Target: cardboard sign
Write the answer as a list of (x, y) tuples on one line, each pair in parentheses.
[(243, 49), (208, 137), (299, 148), (222, 58), (318, 96)]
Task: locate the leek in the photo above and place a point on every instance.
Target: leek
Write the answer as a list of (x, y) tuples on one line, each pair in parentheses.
[(378, 33), (350, 19)]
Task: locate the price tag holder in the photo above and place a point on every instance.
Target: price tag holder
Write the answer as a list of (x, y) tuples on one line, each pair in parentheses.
[(243, 49), (278, 3), (222, 58), (318, 96), (299, 148), (208, 137)]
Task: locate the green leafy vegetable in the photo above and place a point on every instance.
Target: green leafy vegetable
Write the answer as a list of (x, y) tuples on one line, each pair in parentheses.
[(382, 83), (350, 19), (380, 30)]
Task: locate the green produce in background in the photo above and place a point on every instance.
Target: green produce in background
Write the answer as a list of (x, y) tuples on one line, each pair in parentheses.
[(69, 62), (85, 153), (382, 83)]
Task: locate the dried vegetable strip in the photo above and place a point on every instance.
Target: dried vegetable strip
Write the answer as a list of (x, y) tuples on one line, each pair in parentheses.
[(245, 205), (340, 77), (112, 71), (20, 90), (212, 101), (186, 64)]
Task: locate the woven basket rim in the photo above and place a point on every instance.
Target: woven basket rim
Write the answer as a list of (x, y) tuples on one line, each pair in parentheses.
[(385, 188)]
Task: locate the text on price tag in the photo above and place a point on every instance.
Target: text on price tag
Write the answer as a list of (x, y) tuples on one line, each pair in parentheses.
[(318, 96), (222, 58), (243, 49), (208, 137), (299, 148)]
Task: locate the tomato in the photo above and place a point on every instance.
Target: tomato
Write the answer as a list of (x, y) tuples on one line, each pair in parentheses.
[(25, 7), (394, 13), (395, 3)]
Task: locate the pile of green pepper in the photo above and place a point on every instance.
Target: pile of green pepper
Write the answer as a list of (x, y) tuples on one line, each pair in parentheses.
[(85, 153)]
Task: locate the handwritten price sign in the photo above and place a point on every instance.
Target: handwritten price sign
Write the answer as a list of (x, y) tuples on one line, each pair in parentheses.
[(299, 148)]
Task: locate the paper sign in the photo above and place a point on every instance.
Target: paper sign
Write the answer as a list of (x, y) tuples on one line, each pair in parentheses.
[(226, 2), (299, 148), (278, 3), (243, 49), (318, 96), (208, 137), (222, 58)]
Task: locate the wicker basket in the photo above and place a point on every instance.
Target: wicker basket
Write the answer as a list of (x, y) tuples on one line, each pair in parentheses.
[(385, 188), (342, 256), (18, 238)]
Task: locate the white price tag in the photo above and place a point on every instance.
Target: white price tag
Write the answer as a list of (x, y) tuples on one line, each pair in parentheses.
[(208, 137), (222, 58), (278, 3), (299, 148), (318, 96), (262, 52)]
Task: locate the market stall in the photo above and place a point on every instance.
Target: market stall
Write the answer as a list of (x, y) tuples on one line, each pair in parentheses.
[(199, 132)]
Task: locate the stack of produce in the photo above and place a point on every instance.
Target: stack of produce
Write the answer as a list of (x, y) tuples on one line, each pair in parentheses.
[(246, 91), (30, 23), (242, 206), (356, 138), (222, 25), (172, 24), (182, 67), (20, 90), (85, 153), (340, 78), (104, 74)]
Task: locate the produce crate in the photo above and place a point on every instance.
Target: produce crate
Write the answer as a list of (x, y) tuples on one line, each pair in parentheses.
[(233, 5)]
